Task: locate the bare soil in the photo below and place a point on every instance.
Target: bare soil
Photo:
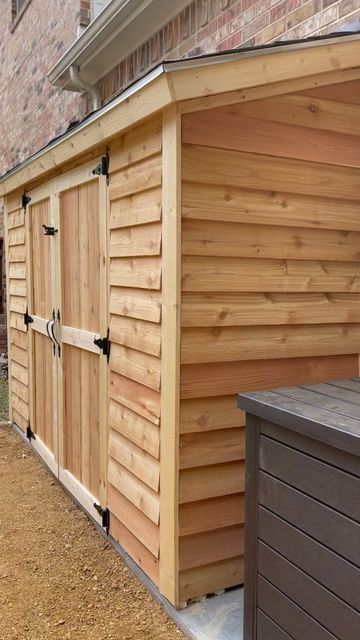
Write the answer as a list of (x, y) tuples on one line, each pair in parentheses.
[(58, 577)]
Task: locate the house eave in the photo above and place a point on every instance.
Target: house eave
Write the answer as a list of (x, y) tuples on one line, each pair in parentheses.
[(119, 29)]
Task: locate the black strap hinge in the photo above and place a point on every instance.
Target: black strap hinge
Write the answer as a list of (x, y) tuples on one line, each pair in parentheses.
[(102, 169), (25, 199), (30, 434), (49, 231), (27, 319), (104, 345), (105, 516)]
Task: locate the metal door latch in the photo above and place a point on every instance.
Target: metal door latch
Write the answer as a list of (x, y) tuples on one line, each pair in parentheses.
[(104, 345), (25, 199), (30, 434), (105, 516), (102, 169), (49, 231), (27, 319)]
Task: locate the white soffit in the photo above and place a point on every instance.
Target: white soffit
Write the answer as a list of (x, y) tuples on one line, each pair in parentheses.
[(121, 27)]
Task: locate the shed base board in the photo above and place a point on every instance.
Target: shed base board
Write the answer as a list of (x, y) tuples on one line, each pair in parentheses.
[(216, 618)]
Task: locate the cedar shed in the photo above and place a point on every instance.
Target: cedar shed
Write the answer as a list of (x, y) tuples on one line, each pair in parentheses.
[(197, 237)]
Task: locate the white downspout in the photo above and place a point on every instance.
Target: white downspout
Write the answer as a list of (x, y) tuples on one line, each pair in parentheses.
[(89, 88)]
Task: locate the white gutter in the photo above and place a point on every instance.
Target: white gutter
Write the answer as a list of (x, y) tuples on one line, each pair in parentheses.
[(121, 27), (85, 86)]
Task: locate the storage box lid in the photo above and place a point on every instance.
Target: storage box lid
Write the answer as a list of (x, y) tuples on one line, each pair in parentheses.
[(329, 412)]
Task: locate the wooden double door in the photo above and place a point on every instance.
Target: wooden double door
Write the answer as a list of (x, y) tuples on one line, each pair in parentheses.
[(67, 322)]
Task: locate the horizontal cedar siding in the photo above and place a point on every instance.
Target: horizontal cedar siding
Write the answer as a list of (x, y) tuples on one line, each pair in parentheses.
[(270, 285), (135, 325), (17, 290)]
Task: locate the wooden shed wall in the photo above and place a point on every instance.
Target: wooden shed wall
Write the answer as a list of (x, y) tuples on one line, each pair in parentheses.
[(135, 325), (16, 305), (270, 291)]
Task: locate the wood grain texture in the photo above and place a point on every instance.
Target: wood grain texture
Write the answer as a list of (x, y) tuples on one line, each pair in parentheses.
[(208, 238), (211, 578), (208, 414), (208, 515), (135, 303), (201, 483), (139, 525), (135, 245), (134, 459), (219, 379), (255, 171), (139, 494), (249, 309), (136, 550), (244, 130), (218, 446), (136, 334), (232, 203), (140, 431), (233, 275), (224, 344), (202, 549)]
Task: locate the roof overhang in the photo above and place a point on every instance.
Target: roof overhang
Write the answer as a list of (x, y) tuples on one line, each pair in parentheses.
[(121, 27), (198, 83)]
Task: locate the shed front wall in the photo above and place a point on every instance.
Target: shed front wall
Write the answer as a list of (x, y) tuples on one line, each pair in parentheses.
[(270, 291)]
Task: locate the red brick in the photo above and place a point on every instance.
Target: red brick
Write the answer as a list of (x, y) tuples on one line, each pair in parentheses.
[(302, 13)]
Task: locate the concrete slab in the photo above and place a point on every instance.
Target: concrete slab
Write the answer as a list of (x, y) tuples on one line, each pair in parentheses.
[(216, 618)]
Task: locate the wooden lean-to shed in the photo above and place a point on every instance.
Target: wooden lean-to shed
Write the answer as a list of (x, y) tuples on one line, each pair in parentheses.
[(209, 217)]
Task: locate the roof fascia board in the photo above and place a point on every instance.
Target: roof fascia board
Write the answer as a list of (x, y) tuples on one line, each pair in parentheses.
[(151, 95), (196, 80), (119, 29)]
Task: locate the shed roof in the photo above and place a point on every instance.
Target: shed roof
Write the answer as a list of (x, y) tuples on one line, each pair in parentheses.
[(335, 55)]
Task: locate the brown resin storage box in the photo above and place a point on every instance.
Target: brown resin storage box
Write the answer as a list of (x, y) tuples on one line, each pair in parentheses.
[(302, 563), (205, 226)]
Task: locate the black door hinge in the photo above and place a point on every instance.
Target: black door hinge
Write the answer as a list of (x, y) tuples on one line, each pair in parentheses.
[(49, 231), (102, 169), (105, 516), (25, 199), (104, 345), (30, 434), (27, 319)]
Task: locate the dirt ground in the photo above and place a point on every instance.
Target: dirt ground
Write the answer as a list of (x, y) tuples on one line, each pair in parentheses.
[(58, 577)]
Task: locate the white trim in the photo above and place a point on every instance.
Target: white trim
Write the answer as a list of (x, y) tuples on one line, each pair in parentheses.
[(121, 27), (82, 495), (45, 454)]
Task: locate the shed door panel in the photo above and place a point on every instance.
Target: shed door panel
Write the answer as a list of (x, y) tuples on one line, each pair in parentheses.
[(80, 316), (41, 305)]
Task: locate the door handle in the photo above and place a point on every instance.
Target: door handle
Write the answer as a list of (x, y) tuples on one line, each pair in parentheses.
[(54, 338), (49, 324)]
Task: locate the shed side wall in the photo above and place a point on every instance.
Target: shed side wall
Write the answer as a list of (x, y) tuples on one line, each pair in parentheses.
[(135, 323), (270, 292), (16, 305)]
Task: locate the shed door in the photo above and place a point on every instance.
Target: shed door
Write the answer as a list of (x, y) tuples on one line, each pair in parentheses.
[(41, 306), (68, 308), (83, 313)]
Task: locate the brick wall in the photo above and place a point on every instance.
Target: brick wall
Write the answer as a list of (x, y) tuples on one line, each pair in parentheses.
[(31, 110)]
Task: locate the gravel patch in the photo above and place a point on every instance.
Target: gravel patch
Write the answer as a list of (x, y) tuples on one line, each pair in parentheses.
[(59, 579)]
